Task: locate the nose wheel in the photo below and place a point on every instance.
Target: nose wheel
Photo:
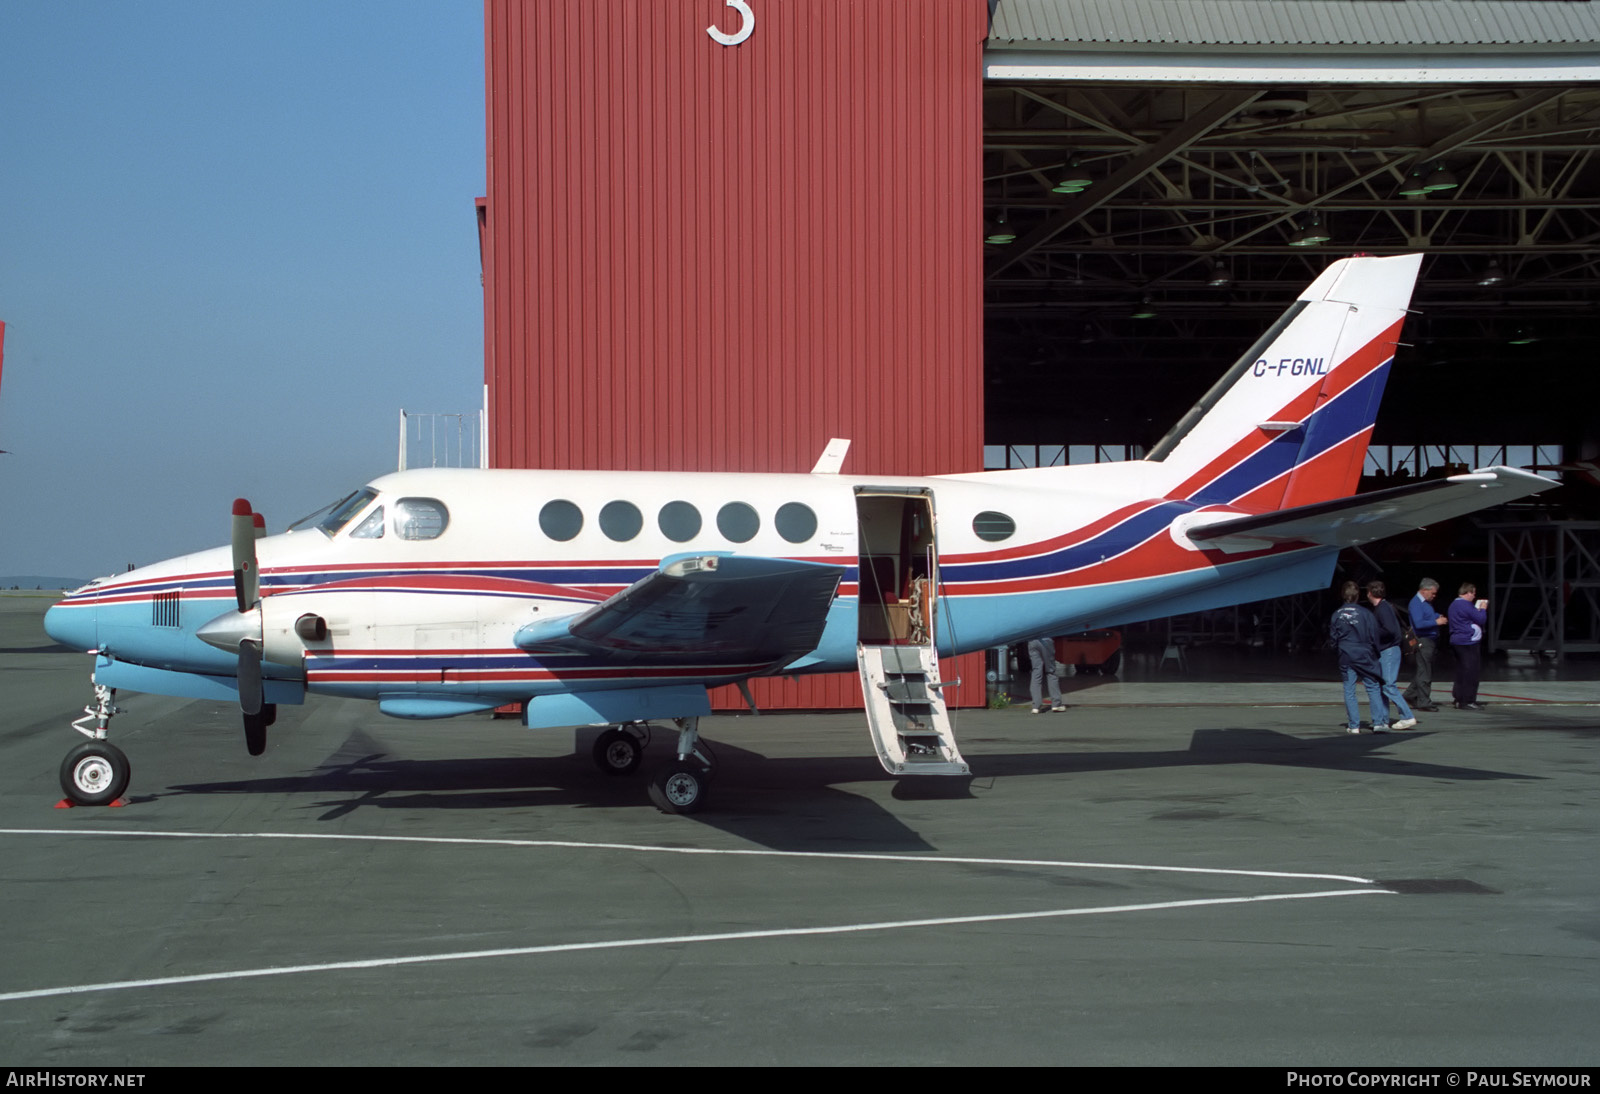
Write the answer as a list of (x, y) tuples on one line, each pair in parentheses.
[(95, 773)]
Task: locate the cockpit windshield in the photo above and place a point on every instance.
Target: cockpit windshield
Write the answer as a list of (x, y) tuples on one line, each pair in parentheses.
[(344, 511)]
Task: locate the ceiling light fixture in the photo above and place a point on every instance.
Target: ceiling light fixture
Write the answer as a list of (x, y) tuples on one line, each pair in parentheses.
[(1492, 275), (1220, 277), (1311, 235), (1075, 181), (1000, 232), (1415, 185), (1441, 178)]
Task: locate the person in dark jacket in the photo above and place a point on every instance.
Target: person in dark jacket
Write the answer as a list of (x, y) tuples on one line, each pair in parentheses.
[(1356, 637), (1425, 623), (1390, 635), (1468, 616)]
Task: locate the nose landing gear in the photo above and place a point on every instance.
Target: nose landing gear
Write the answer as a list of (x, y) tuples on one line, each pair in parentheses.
[(97, 771)]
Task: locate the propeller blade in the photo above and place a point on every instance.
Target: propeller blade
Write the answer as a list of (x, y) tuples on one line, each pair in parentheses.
[(246, 578), (250, 687)]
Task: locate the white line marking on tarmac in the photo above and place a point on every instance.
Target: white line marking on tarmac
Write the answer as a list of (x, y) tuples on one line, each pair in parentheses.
[(670, 940), (651, 849)]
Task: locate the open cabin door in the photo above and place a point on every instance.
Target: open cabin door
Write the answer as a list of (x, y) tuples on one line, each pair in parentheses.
[(896, 636)]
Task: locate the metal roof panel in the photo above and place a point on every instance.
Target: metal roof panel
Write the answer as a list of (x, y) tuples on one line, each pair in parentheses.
[(1506, 24)]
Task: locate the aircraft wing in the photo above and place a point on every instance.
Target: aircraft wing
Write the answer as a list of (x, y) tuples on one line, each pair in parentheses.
[(1349, 522), (703, 610)]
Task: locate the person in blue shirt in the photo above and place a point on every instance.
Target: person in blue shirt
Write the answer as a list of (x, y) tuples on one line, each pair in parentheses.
[(1390, 635), (1425, 624), (1468, 616), (1355, 636)]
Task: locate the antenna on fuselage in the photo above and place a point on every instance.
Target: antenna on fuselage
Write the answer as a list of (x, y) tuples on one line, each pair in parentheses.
[(832, 457)]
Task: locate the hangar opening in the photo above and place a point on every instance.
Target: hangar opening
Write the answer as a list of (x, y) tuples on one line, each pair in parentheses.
[(1161, 179)]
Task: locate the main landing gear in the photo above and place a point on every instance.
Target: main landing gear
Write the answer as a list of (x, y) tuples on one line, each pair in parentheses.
[(97, 771), (620, 749), (679, 785)]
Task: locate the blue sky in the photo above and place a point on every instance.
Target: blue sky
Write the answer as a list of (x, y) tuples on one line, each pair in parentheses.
[(235, 240)]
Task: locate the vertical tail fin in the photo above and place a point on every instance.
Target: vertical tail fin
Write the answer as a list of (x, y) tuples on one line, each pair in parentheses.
[(1289, 423)]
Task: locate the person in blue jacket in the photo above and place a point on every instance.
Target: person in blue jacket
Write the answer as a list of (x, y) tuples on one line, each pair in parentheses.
[(1355, 636), (1468, 616), (1425, 623), (1390, 635)]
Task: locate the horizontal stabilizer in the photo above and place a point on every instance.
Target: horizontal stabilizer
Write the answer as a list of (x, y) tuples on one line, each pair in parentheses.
[(705, 609), (1352, 521)]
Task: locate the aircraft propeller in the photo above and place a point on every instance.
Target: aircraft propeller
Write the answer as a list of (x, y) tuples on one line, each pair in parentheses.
[(241, 631)]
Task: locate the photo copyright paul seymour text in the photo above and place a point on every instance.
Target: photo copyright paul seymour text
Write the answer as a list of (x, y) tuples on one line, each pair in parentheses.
[(1459, 1078)]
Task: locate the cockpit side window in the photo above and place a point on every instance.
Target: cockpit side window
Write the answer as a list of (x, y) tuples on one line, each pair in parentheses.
[(420, 518), (372, 527), (344, 512)]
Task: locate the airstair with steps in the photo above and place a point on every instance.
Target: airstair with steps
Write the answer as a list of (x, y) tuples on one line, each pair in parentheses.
[(906, 711)]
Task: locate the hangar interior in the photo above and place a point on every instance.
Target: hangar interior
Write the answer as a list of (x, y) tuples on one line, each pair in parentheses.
[(1161, 179), (1157, 181)]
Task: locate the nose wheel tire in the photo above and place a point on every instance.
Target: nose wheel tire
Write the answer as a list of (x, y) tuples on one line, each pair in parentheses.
[(617, 752), (95, 773), (678, 788)]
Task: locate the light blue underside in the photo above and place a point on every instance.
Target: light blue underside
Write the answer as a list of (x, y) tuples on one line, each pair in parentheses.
[(964, 624)]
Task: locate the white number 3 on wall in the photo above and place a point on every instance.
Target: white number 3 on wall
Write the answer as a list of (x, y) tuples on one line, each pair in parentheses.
[(746, 25)]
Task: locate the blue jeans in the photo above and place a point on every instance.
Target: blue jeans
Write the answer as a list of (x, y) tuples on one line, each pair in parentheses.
[(1389, 659), (1352, 708)]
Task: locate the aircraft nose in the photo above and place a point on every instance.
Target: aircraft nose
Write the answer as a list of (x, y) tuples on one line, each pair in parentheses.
[(72, 625)]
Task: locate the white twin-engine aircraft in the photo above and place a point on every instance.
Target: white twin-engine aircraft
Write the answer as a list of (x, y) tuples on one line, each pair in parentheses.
[(597, 597)]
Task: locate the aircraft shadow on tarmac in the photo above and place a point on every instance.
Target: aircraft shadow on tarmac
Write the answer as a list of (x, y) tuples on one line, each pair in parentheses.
[(782, 804), (1211, 747), (789, 803)]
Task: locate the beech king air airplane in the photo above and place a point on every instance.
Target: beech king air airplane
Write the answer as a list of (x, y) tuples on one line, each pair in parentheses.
[(619, 597)]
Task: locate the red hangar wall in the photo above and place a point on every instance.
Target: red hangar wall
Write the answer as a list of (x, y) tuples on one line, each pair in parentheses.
[(719, 232)]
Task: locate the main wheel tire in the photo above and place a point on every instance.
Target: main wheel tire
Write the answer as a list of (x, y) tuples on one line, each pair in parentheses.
[(618, 752), (95, 773), (678, 788), (1111, 664)]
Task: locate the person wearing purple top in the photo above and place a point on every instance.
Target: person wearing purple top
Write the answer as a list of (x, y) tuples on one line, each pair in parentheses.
[(1425, 624), (1355, 636), (1467, 616)]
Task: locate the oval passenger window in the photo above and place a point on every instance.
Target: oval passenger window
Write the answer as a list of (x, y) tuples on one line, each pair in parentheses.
[(679, 521), (738, 522), (621, 520), (993, 527), (795, 522), (560, 520)]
